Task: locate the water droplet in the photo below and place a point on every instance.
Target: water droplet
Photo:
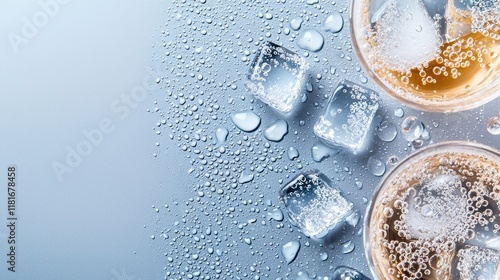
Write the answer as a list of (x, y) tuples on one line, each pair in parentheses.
[(387, 131), (320, 152), (248, 241), (323, 256), (275, 214), (493, 125), (376, 166), (276, 131), (411, 128), (221, 135), (311, 40), (393, 160), (348, 247), (293, 153), (359, 184), (290, 251), (399, 113), (295, 23), (245, 178), (247, 121), (353, 218), (334, 22)]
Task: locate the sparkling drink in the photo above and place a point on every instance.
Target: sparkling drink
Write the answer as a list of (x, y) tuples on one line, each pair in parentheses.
[(437, 216), (438, 55)]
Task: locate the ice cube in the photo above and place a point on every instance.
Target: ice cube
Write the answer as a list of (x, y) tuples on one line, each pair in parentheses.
[(476, 263), (314, 205), (406, 36), (348, 116), (347, 273), (276, 77), (438, 209)]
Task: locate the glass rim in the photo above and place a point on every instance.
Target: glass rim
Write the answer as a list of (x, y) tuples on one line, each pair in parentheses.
[(433, 149), (480, 97)]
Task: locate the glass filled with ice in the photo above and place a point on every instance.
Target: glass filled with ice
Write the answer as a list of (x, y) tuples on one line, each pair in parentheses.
[(437, 216), (433, 55)]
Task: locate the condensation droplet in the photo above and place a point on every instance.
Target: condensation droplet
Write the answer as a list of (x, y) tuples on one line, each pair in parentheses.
[(376, 166)]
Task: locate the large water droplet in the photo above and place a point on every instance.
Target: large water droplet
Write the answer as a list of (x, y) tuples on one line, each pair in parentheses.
[(276, 131), (247, 121), (290, 251), (334, 22), (411, 128), (221, 135), (387, 131), (311, 40), (376, 166), (493, 125)]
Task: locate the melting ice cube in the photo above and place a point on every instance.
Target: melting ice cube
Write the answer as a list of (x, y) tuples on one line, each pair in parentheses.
[(475, 263), (348, 116), (313, 205), (276, 76), (406, 35), (347, 273)]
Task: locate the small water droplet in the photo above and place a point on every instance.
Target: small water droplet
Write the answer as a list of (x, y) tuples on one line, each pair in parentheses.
[(376, 166), (393, 160), (295, 23), (399, 113), (290, 251), (323, 256), (221, 135)]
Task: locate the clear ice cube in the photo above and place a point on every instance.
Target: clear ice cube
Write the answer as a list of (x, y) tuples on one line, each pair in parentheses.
[(476, 263), (347, 273), (314, 205), (276, 77), (348, 116)]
